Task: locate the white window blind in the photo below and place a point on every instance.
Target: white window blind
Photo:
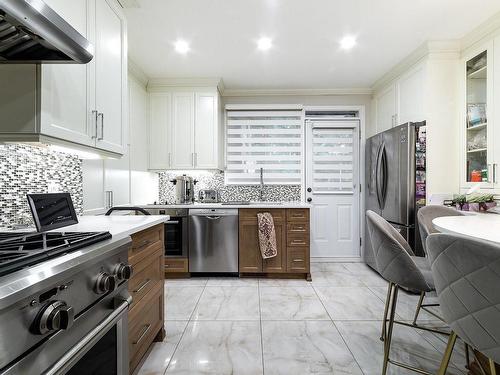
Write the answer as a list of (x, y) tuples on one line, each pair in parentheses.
[(333, 160), (268, 139)]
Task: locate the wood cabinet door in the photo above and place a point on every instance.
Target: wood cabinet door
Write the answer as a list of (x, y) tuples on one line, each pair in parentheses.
[(250, 259), (110, 76), (206, 135)]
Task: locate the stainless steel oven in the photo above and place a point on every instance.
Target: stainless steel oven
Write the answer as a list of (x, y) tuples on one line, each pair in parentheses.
[(176, 230)]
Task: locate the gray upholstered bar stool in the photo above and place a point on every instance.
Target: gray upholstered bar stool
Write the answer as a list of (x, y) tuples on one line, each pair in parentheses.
[(467, 276), (397, 264), (425, 215)]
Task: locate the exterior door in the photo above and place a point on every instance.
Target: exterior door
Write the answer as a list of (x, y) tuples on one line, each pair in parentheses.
[(332, 187)]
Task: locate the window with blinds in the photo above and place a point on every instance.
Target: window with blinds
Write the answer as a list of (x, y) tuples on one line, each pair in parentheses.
[(332, 160), (272, 140)]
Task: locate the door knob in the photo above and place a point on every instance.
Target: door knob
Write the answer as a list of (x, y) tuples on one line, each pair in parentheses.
[(309, 199)]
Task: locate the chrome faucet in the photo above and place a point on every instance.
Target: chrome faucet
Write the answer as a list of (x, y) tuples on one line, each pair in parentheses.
[(261, 194)]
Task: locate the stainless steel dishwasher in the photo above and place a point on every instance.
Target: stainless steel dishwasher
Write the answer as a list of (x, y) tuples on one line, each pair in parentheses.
[(213, 240)]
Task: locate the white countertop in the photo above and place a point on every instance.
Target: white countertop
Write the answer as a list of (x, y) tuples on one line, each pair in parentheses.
[(117, 225), (220, 205), (483, 226)]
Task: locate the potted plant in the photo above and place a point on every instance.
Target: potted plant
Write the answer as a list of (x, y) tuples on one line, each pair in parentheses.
[(474, 202)]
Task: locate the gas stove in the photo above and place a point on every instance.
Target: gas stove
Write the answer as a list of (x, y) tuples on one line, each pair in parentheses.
[(20, 250)]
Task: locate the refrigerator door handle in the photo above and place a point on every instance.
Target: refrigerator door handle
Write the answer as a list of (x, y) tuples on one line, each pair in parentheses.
[(383, 161), (377, 178)]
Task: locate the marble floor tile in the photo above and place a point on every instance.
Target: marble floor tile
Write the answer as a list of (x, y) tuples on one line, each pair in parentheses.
[(407, 304), (228, 303), (222, 348), (305, 347), (161, 352), (232, 281), (291, 303), (368, 276), (408, 346), (334, 274), (284, 283), (356, 303), (192, 281), (180, 301)]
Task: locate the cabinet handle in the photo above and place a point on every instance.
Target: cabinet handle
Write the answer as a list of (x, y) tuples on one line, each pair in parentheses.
[(143, 285), (298, 242), (142, 245), (101, 137), (494, 173), (298, 260), (195, 159), (169, 159), (145, 330), (94, 117)]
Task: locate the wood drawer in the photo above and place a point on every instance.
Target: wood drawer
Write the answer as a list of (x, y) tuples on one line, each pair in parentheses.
[(298, 228), (297, 240), (298, 259), (145, 326), (297, 214), (176, 265), (279, 214), (147, 274), (145, 243)]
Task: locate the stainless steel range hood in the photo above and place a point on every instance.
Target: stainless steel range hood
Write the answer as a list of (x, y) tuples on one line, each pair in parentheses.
[(31, 32)]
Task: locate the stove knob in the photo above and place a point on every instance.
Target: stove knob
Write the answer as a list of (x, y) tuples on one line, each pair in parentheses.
[(105, 283), (53, 317), (124, 271)]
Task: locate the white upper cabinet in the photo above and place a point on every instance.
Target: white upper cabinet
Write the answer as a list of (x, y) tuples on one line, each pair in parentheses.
[(111, 76), (183, 154), (80, 104), (410, 96), (64, 97), (385, 108), (206, 126), (184, 130), (160, 129)]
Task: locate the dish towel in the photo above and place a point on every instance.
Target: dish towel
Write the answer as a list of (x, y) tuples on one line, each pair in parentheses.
[(267, 235)]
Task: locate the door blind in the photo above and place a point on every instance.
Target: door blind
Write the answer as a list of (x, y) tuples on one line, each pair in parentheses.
[(333, 160), (272, 140)]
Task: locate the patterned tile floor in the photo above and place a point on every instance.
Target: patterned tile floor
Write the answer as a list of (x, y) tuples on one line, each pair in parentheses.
[(290, 327)]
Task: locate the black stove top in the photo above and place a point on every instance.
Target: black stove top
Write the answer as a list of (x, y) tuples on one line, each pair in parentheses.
[(19, 250)]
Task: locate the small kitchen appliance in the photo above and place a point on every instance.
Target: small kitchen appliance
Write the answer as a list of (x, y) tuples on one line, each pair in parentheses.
[(184, 189), (208, 196)]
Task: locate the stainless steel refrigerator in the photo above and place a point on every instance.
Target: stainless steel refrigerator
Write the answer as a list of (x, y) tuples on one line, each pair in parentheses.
[(395, 181)]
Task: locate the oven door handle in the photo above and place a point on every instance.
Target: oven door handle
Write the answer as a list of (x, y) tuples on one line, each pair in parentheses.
[(73, 355), (172, 222)]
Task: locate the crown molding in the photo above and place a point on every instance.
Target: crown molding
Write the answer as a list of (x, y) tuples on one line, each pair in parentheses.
[(296, 92), (435, 49), (136, 72), (156, 84), (484, 31)]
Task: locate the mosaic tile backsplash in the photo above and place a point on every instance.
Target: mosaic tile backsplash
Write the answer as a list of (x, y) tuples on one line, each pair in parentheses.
[(29, 169), (215, 180)]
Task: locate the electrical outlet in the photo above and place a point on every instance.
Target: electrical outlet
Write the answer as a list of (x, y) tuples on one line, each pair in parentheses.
[(53, 187)]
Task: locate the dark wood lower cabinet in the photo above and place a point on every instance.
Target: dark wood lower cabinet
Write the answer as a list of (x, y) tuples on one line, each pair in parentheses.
[(292, 240)]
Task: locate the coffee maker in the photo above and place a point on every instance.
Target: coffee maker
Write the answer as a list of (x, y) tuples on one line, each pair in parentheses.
[(184, 189)]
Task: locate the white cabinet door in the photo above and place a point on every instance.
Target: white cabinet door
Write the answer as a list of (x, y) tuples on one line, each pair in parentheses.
[(138, 126), (182, 139), (160, 130), (93, 187), (110, 76), (386, 108), (410, 96), (65, 109), (496, 113), (206, 131), (117, 180)]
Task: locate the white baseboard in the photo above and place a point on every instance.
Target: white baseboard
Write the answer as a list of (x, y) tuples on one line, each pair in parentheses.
[(336, 260)]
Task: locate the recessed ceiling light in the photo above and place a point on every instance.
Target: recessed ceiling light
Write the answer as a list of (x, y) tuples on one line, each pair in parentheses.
[(264, 43), (348, 42), (181, 46)]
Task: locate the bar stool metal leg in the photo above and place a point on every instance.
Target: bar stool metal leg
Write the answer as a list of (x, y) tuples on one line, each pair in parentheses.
[(386, 310), (493, 369), (447, 354), (388, 338), (419, 306)]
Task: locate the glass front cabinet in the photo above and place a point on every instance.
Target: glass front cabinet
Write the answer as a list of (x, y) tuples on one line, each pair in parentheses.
[(477, 123)]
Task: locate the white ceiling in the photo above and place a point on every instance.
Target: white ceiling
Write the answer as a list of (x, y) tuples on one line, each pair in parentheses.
[(305, 54)]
